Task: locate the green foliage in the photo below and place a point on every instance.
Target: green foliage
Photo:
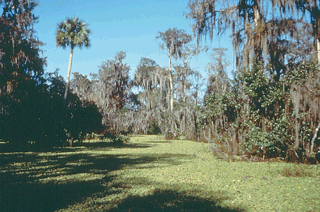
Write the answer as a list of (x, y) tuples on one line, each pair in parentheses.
[(301, 73), (258, 114), (81, 118), (279, 136), (40, 117), (256, 139), (117, 139), (121, 139)]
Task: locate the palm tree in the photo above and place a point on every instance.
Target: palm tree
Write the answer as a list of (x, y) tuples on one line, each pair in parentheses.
[(74, 33)]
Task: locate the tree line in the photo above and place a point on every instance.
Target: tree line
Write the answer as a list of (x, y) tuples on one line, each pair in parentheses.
[(268, 108)]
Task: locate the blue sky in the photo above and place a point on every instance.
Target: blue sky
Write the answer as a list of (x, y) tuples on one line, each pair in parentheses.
[(116, 25)]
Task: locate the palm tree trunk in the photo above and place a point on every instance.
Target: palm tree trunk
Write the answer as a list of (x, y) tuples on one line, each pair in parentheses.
[(68, 77)]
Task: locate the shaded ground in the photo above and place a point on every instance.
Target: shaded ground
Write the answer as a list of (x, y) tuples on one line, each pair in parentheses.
[(169, 200), (82, 179)]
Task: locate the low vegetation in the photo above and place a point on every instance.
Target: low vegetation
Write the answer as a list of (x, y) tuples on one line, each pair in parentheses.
[(149, 173)]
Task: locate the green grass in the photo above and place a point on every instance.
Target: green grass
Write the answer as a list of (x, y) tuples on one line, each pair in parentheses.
[(151, 174)]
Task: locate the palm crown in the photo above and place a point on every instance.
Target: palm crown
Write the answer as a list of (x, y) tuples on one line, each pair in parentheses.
[(72, 32)]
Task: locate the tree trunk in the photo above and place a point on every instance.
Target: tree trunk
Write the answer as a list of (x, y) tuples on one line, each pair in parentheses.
[(297, 129), (171, 84), (316, 31), (184, 85), (257, 24), (313, 140), (68, 77), (256, 15), (71, 142), (161, 86), (318, 50)]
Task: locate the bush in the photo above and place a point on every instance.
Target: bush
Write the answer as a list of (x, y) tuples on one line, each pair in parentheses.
[(153, 128), (117, 139), (120, 139)]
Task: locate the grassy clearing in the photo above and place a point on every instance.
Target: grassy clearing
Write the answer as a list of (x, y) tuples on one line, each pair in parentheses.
[(151, 174)]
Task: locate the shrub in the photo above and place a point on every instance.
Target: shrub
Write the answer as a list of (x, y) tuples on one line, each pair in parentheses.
[(153, 128), (117, 139), (120, 139)]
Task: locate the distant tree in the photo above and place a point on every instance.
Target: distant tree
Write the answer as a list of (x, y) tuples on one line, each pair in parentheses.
[(145, 76), (111, 88), (218, 79), (185, 80), (146, 79), (74, 33), (187, 53), (150, 81), (173, 41), (82, 87)]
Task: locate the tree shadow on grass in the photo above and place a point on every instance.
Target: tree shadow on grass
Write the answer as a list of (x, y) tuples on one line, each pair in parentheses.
[(162, 196), (27, 196), (21, 148), (103, 144), (171, 200), (11, 148), (49, 181)]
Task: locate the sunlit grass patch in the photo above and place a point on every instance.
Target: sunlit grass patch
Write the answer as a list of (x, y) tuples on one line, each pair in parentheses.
[(65, 178)]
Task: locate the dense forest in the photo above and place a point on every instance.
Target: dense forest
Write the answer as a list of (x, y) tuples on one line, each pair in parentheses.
[(268, 108)]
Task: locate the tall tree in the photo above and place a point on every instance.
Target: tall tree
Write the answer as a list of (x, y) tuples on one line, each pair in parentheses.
[(21, 70), (187, 53), (147, 78), (19, 48), (111, 89), (74, 33), (172, 41)]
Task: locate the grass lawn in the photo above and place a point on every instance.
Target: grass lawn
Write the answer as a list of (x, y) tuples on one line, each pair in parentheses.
[(151, 174)]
